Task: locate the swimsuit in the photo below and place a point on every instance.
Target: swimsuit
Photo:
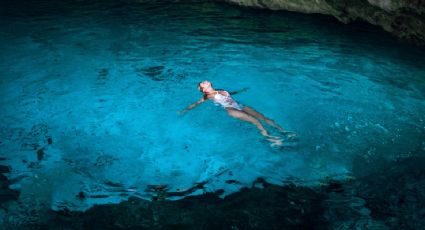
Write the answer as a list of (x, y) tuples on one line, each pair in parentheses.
[(226, 101)]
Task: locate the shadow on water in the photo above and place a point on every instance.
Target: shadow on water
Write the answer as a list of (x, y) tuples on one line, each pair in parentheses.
[(391, 196)]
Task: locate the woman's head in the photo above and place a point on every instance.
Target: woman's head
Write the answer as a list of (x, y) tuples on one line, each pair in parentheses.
[(205, 86)]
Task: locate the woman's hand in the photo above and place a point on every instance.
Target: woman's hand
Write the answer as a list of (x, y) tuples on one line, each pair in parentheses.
[(191, 106), (244, 89), (181, 112)]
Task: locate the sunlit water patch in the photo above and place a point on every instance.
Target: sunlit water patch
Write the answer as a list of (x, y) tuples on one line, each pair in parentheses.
[(90, 93)]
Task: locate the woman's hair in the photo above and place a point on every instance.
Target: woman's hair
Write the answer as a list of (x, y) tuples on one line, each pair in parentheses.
[(199, 84)]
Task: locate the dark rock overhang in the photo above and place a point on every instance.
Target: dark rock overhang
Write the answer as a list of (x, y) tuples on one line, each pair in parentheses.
[(403, 18)]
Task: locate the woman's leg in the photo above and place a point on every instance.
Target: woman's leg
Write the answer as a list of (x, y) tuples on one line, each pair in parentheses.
[(258, 115), (246, 117)]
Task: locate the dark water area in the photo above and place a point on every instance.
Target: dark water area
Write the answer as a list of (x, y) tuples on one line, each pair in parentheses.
[(90, 137)]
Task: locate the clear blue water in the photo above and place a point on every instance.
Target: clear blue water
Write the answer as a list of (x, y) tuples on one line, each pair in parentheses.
[(104, 81)]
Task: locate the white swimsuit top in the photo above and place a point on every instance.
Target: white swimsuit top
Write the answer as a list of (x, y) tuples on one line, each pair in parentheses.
[(226, 101)]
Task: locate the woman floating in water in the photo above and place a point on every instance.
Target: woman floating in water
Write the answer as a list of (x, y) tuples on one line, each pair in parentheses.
[(236, 110)]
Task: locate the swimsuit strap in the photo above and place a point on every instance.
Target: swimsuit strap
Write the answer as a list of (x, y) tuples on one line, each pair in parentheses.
[(219, 94)]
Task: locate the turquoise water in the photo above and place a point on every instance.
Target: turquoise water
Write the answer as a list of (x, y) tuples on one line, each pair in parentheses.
[(90, 93)]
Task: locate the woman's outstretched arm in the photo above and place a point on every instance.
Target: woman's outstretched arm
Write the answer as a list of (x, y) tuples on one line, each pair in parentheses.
[(239, 91), (192, 105)]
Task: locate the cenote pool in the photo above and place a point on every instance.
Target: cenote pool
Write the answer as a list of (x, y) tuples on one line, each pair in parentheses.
[(90, 90)]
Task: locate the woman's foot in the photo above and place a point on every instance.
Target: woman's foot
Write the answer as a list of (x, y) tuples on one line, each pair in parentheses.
[(275, 142), (288, 134)]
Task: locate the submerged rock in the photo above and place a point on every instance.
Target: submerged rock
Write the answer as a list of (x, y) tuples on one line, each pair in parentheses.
[(4, 169), (40, 154), (6, 193), (404, 18)]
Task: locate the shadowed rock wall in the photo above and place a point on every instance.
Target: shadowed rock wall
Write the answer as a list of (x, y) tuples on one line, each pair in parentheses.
[(404, 18)]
